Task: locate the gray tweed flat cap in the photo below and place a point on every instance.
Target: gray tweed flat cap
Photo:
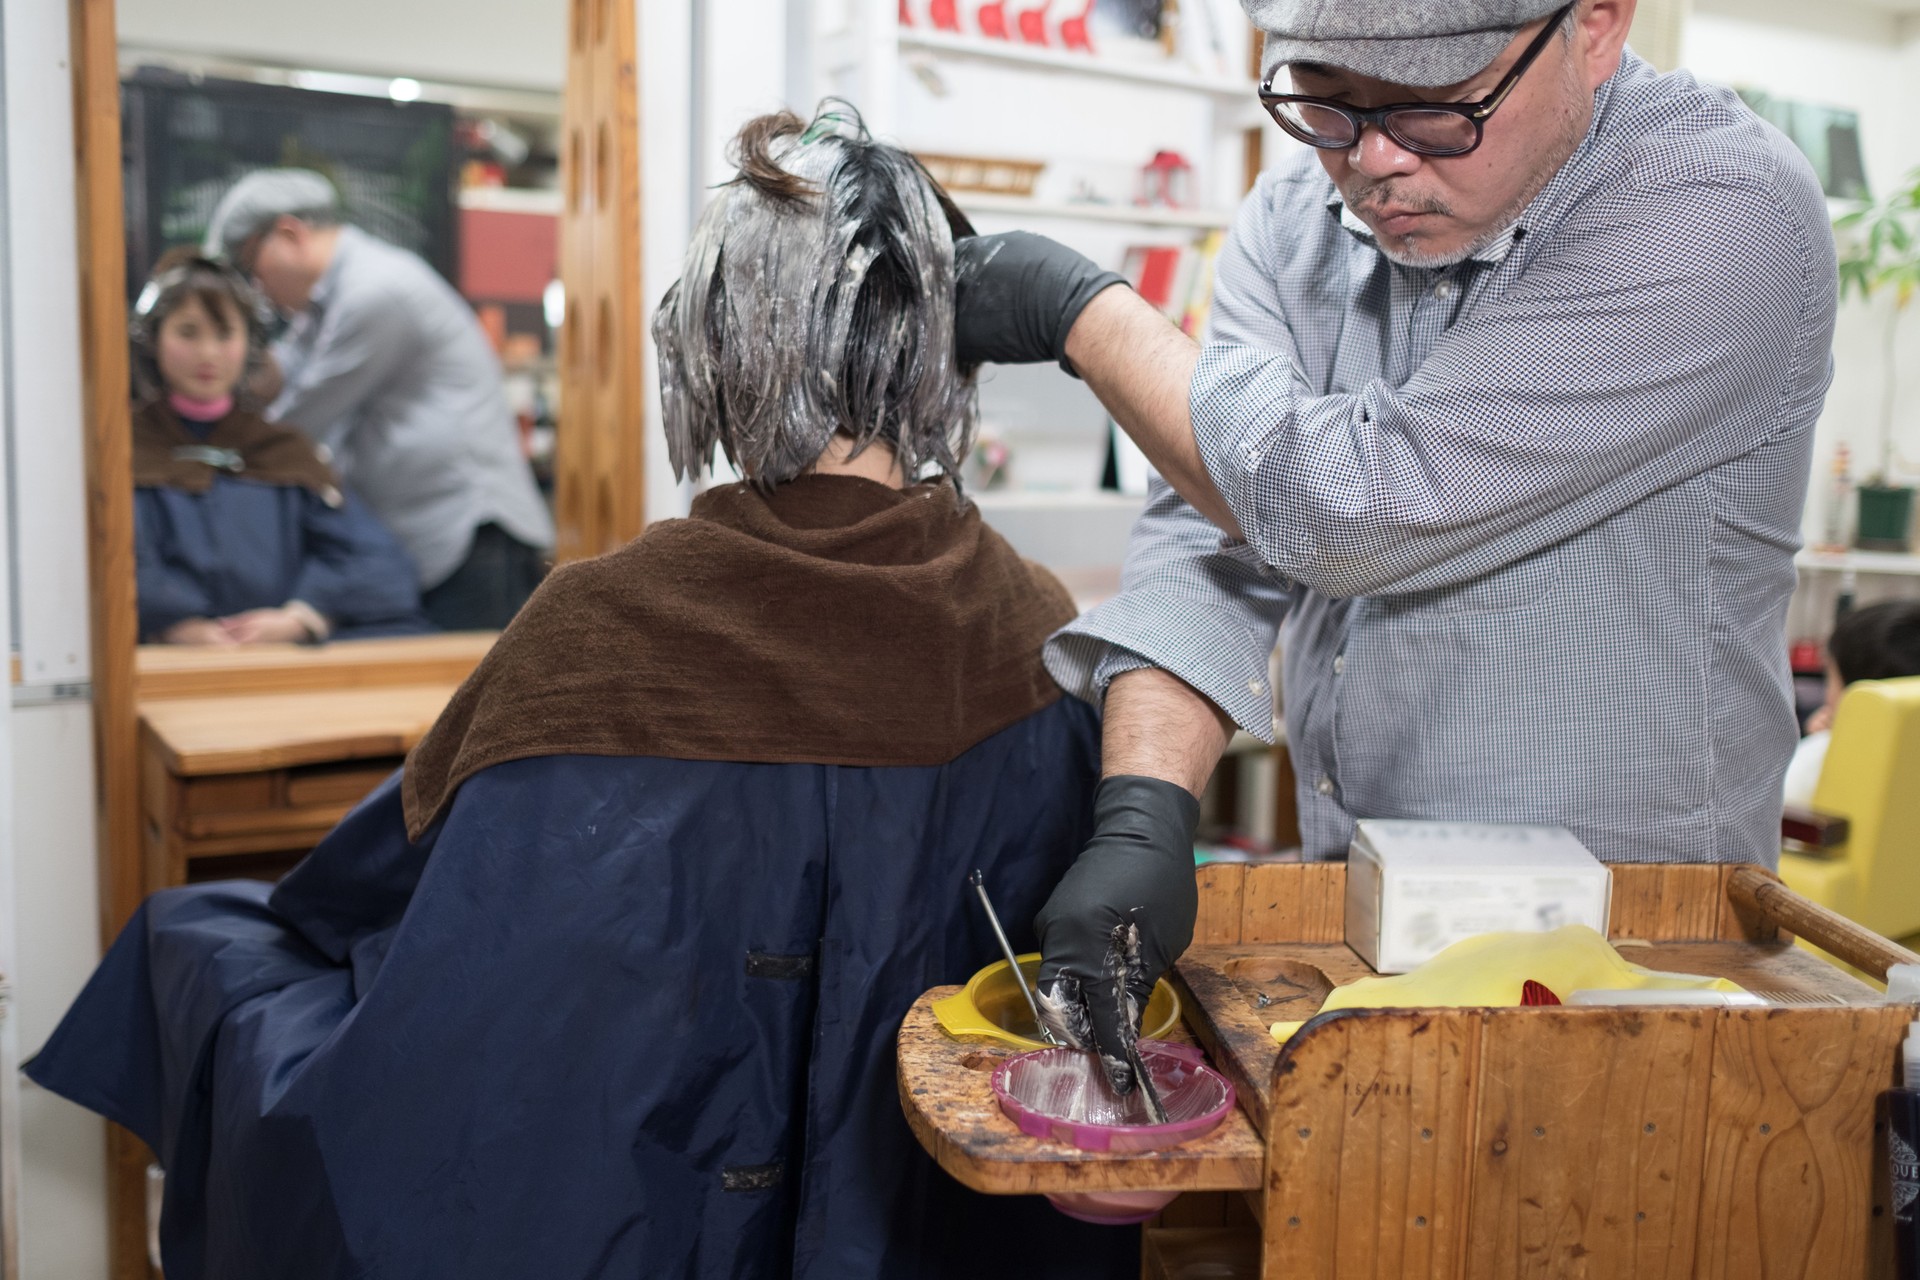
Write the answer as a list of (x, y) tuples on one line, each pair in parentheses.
[(251, 204), (1411, 42)]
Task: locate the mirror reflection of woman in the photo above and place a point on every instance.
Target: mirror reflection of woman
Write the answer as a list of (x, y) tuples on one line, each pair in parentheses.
[(242, 534)]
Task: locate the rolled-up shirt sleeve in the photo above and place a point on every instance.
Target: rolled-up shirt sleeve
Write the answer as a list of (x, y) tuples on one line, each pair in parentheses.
[(1632, 359), (1190, 604)]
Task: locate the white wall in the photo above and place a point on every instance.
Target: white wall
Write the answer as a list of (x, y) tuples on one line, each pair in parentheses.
[(63, 1212), (522, 43), (1844, 55), (54, 1153)]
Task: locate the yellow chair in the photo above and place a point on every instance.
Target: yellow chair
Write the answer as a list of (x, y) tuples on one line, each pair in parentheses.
[(1872, 779)]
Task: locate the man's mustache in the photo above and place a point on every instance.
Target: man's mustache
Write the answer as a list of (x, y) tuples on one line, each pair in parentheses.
[(1361, 199)]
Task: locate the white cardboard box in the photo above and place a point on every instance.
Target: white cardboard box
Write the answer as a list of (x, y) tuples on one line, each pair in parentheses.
[(1416, 888)]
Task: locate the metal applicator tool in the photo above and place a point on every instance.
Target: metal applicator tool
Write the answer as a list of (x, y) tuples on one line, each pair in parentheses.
[(979, 883), (1123, 958)]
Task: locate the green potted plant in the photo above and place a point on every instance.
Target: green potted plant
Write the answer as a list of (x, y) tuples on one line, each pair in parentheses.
[(1879, 248)]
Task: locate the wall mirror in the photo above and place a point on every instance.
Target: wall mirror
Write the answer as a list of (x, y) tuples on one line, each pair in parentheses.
[(493, 151)]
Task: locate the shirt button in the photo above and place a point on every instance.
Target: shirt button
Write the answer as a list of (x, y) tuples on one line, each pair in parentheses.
[(1256, 686), (1443, 291), (1324, 786), (1339, 664)]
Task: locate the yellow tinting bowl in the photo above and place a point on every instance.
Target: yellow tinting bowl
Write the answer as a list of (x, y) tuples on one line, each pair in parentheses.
[(990, 1007)]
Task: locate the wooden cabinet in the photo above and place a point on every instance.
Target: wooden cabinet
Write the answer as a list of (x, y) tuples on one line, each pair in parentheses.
[(247, 760), (1472, 1144)]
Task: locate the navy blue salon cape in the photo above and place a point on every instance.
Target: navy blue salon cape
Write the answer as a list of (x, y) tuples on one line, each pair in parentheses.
[(609, 1017), (245, 545)]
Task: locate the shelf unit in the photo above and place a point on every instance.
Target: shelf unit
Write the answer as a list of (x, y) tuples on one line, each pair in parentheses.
[(1878, 562), (960, 93), (1172, 74), (1124, 214), (1093, 120), (511, 200)]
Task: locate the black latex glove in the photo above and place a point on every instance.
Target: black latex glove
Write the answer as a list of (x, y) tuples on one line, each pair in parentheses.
[(1095, 973), (1016, 296)]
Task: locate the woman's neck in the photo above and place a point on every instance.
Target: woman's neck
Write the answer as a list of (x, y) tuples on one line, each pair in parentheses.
[(877, 462), (200, 410)]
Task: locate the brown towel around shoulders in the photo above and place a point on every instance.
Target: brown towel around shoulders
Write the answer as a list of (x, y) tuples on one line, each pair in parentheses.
[(830, 621), (243, 445)]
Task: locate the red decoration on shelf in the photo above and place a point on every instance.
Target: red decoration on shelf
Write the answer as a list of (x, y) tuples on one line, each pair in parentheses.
[(945, 14), (1073, 31), (992, 20), (1166, 181), (1033, 23), (1537, 993)]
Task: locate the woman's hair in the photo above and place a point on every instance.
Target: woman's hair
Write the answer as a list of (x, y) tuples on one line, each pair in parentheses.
[(1877, 642), (816, 298), (182, 274)]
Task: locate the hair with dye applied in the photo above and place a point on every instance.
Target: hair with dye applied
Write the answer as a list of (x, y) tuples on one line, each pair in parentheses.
[(816, 299)]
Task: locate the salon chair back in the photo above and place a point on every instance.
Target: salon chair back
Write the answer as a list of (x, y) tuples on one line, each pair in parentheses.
[(1872, 779)]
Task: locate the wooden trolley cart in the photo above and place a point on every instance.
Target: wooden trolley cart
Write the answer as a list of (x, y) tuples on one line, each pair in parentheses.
[(1477, 1144)]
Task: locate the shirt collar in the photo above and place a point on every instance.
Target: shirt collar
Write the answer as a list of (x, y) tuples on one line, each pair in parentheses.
[(329, 281)]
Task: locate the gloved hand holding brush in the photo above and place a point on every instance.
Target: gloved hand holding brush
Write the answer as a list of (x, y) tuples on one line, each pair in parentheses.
[(1118, 920)]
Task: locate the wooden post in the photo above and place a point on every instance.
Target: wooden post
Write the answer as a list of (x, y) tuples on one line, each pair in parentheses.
[(109, 460), (599, 457)]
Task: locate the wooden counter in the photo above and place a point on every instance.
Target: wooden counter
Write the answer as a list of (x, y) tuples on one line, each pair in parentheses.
[(248, 757), (1488, 1143), (206, 671)]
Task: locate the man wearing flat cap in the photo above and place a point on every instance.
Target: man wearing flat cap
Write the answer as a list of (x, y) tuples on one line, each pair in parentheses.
[(1502, 421), (388, 368)]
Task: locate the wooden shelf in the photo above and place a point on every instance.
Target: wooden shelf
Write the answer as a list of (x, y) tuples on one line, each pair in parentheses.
[(208, 671), (511, 200), (255, 732), (1171, 75), (1888, 562), (1056, 500), (1132, 215)]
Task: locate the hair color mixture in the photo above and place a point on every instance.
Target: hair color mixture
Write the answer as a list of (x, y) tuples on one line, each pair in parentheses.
[(816, 299)]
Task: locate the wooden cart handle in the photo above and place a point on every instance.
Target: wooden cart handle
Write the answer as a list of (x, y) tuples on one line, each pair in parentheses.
[(1832, 932)]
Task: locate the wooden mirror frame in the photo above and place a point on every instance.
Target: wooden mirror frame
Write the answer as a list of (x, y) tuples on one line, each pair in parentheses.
[(598, 452)]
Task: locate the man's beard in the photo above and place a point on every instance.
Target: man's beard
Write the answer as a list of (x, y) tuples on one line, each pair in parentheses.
[(1572, 130)]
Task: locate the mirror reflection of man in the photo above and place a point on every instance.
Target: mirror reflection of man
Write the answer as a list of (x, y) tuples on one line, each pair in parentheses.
[(387, 366), (1505, 407)]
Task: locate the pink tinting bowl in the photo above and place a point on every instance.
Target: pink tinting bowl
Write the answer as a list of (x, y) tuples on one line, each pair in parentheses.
[(1062, 1095)]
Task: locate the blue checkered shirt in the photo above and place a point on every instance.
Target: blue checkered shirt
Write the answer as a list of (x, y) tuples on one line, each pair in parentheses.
[(1527, 523)]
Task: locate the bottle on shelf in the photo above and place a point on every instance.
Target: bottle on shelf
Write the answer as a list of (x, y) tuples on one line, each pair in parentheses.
[(1833, 528)]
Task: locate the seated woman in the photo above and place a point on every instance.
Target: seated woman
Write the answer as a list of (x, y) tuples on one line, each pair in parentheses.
[(241, 531), (606, 981)]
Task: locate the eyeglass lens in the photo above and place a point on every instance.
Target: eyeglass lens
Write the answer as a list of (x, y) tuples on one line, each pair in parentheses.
[(1438, 132)]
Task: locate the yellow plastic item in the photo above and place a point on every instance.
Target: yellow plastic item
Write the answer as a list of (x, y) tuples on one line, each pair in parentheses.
[(1869, 779), (990, 1007), (1489, 969)]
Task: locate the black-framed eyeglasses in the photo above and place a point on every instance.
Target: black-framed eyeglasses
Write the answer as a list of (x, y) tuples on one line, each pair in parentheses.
[(1425, 128)]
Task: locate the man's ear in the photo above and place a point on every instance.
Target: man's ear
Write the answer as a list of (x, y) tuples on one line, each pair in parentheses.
[(1603, 26)]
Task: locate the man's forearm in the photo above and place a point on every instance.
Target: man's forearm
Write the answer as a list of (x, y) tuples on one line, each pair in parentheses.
[(1156, 726), (1140, 366)]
